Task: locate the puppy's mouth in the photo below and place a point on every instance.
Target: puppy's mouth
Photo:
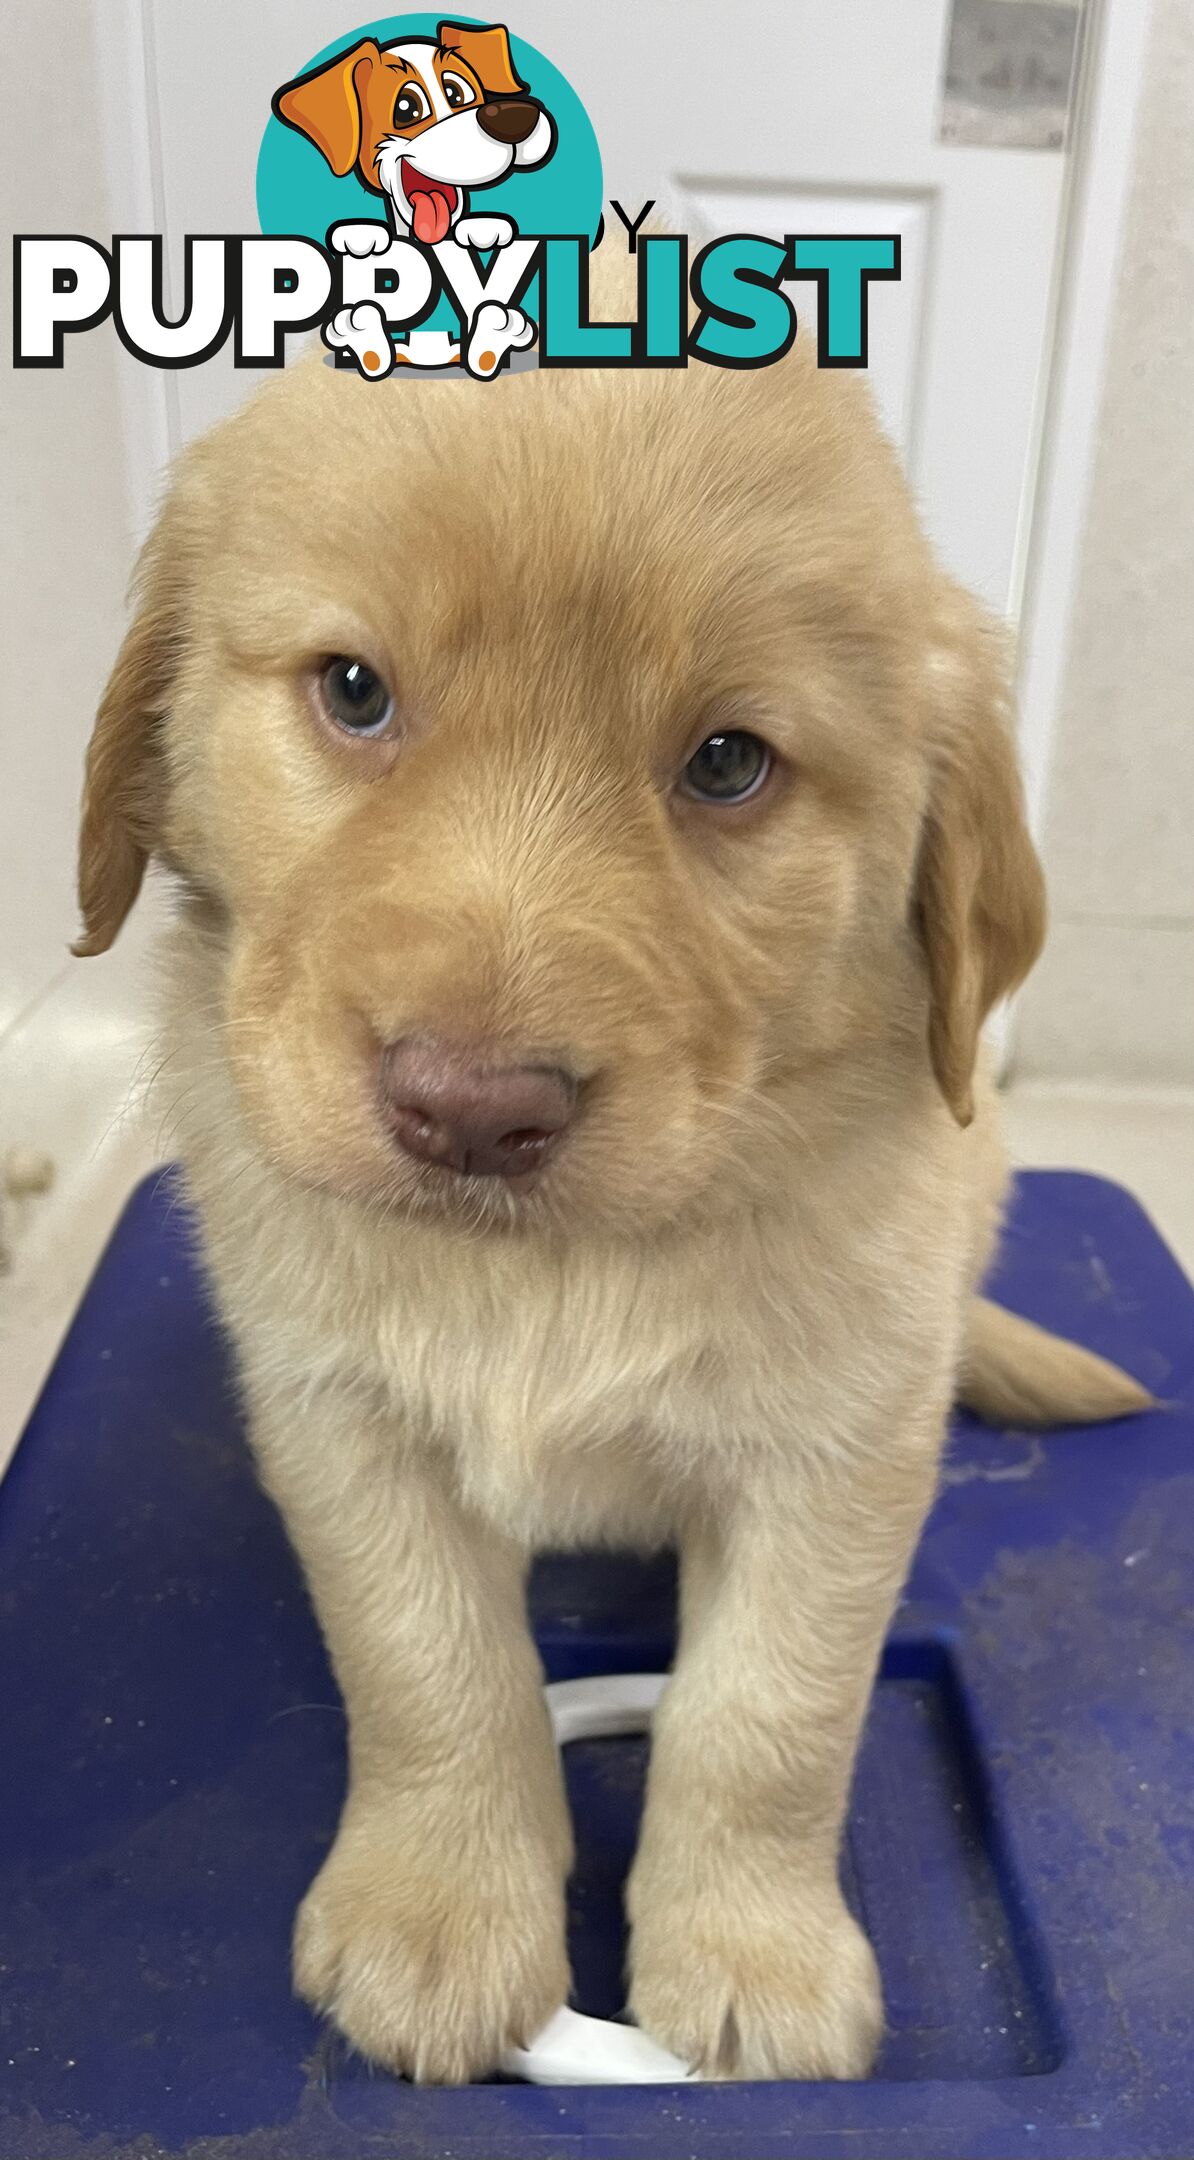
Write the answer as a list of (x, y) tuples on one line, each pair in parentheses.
[(432, 203), (473, 1204)]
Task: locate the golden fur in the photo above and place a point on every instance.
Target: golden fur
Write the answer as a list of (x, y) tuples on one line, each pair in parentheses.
[(732, 1312)]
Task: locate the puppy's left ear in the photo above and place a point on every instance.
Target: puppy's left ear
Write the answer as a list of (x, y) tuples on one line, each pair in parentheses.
[(123, 792), (325, 105), (487, 53), (979, 902)]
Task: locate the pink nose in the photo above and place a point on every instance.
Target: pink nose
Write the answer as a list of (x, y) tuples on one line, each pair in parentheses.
[(447, 1107)]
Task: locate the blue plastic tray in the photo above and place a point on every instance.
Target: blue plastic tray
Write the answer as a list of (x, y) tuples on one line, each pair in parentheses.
[(1021, 1841)]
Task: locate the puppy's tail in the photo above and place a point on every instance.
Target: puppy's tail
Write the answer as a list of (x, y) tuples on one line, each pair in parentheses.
[(1014, 1373)]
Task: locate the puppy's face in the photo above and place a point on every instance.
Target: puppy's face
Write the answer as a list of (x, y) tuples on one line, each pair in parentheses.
[(599, 731), (422, 120)]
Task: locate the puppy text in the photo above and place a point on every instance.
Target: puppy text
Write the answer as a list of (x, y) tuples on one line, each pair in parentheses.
[(730, 304)]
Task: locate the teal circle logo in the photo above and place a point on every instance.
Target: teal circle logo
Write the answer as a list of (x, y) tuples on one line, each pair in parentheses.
[(298, 192)]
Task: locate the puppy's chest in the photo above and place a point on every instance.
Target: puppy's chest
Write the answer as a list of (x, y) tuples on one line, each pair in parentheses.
[(568, 1409)]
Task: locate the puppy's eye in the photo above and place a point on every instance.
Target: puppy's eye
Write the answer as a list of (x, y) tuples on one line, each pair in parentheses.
[(457, 91), (410, 105), (727, 768), (354, 698)]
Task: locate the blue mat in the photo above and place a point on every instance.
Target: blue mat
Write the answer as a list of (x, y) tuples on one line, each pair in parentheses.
[(1021, 1840)]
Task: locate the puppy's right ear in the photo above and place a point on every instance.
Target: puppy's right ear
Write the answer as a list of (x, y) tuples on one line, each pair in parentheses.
[(487, 52), (325, 105), (979, 905), (122, 797)]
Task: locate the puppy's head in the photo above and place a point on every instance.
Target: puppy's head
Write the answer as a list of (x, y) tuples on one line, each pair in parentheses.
[(422, 120), (563, 780)]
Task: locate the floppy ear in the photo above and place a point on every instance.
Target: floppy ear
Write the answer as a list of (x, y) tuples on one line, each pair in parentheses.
[(123, 791), (325, 105), (979, 905), (488, 54)]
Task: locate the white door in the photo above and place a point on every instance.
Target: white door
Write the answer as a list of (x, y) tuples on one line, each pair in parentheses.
[(766, 115)]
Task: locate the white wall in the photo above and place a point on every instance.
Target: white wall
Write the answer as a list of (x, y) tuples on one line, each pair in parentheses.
[(1113, 997), (64, 541)]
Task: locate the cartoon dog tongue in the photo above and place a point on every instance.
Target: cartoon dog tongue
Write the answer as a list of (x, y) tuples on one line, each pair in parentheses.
[(431, 204)]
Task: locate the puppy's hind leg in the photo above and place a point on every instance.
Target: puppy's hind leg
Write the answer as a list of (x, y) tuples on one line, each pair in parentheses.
[(495, 331), (362, 330)]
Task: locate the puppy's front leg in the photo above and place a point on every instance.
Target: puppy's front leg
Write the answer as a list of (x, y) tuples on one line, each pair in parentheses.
[(745, 1959), (434, 1932)]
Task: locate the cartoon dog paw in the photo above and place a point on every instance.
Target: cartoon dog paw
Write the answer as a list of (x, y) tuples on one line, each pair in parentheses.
[(362, 239), (485, 232), (496, 331), (362, 331)]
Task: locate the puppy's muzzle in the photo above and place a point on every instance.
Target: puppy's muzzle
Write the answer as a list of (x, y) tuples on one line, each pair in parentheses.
[(508, 120), (448, 1108)]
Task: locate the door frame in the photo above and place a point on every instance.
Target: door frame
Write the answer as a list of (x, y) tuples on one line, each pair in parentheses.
[(1094, 215)]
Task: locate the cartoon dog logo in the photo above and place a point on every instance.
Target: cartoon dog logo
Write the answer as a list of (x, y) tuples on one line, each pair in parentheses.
[(422, 122)]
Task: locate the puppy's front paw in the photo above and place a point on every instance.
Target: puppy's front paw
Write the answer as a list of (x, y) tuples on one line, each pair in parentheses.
[(367, 237), (742, 1984), (433, 1963), (485, 232)]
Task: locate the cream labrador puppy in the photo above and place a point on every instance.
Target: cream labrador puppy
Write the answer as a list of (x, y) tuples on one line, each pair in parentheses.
[(597, 844)]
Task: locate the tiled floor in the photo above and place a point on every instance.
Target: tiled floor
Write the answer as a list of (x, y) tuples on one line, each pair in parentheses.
[(71, 1068), (1144, 1139)]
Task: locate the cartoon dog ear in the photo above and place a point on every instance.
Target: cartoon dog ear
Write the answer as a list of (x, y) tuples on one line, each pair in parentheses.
[(123, 793), (325, 105), (979, 904), (487, 53)]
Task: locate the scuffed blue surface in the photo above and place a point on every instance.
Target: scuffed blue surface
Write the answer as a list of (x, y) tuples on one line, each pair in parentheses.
[(1021, 1840)]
